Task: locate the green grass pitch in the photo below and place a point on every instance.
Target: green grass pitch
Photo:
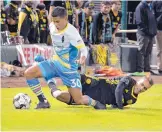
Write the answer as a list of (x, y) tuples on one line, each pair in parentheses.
[(145, 115)]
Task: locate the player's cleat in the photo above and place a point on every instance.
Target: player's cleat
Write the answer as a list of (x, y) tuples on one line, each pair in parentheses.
[(43, 105), (99, 105)]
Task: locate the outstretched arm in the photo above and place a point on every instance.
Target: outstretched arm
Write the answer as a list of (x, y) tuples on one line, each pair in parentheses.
[(119, 91)]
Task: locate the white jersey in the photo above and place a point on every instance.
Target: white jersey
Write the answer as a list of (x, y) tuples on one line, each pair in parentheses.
[(66, 45)]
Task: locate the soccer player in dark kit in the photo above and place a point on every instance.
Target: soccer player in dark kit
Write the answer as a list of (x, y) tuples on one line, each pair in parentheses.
[(117, 92)]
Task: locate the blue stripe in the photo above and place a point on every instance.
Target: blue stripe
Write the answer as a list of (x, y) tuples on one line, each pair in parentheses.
[(33, 82)]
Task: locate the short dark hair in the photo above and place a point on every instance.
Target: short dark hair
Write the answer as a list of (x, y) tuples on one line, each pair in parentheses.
[(115, 2), (106, 3), (59, 12)]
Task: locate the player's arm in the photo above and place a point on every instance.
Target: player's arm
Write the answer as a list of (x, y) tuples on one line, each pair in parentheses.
[(83, 55), (52, 28), (76, 41), (52, 6), (119, 91)]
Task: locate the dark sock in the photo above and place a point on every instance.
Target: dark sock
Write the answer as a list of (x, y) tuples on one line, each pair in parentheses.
[(41, 98), (52, 86)]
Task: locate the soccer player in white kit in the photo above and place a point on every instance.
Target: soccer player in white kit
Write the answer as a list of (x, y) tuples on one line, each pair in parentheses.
[(66, 44)]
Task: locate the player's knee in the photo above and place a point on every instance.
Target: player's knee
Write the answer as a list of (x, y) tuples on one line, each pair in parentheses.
[(32, 72), (28, 74)]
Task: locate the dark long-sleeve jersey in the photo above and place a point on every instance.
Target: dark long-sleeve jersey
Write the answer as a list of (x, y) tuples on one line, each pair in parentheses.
[(117, 91)]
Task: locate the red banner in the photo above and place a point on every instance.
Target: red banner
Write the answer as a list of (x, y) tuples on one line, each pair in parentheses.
[(26, 53)]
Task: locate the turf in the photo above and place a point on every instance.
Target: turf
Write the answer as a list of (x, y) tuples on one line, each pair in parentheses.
[(146, 114)]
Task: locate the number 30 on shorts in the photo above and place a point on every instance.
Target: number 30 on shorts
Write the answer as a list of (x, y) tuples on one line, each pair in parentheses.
[(75, 83)]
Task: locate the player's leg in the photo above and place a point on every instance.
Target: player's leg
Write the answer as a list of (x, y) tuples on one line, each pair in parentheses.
[(81, 99), (56, 93), (32, 74), (62, 96), (72, 80)]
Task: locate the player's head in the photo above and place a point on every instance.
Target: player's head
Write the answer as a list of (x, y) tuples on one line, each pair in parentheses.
[(16, 2), (88, 8), (105, 7), (41, 6), (144, 84), (29, 3), (116, 5), (79, 3), (59, 17)]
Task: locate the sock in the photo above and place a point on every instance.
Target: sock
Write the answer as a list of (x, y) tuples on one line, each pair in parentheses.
[(52, 85), (91, 102), (54, 90), (35, 86)]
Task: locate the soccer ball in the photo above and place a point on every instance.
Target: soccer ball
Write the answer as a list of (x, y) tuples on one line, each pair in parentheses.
[(21, 101)]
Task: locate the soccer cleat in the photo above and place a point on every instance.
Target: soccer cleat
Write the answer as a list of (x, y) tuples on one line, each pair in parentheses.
[(99, 105), (43, 105)]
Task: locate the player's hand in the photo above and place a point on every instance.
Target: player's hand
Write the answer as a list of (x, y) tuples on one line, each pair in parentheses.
[(81, 61)]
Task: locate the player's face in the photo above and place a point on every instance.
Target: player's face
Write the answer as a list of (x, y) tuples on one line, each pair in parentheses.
[(60, 22), (117, 5), (143, 85), (89, 11), (105, 9), (80, 3)]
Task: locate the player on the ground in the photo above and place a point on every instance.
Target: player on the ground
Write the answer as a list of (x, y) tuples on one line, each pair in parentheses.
[(66, 44), (118, 92)]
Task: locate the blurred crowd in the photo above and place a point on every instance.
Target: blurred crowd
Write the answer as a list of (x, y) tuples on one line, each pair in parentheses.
[(29, 19)]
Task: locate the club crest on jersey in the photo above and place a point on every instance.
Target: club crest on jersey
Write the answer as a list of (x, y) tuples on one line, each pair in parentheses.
[(63, 39), (79, 41)]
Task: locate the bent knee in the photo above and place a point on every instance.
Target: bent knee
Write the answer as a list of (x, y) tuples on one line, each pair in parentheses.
[(26, 73), (32, 72)]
